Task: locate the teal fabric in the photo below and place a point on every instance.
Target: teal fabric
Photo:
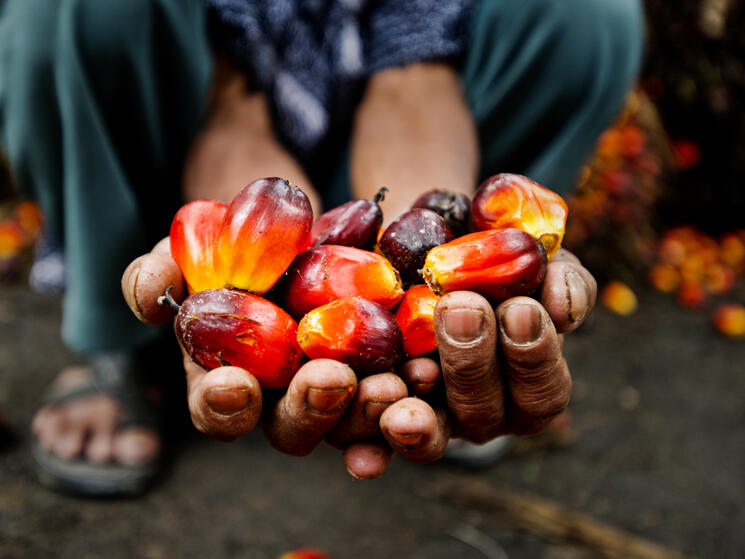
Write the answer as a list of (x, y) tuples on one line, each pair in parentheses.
[(100, 99)]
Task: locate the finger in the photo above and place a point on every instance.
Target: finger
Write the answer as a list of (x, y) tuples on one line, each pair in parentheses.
[(315, 401), (225, 402), (163, 246), (568, 292), (367, 460), (146, 279), (374, 394), (466, 332), (420, 375), (536, 372), (415, 430)]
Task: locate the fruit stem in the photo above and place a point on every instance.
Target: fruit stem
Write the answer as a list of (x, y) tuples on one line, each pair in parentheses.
[(168, 299), (380, 196)]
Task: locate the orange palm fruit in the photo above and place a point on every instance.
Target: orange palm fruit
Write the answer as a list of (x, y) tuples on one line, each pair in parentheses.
[(325, 273), (266, 225), (730, 320), (618, 298), (732, 251), (664, 277), (508, 200), (193, 234), (498, 263), (719, 279), (228, 327), (416, 317), (355, 331)]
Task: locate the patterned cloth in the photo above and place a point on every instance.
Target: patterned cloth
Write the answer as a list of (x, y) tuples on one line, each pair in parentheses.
[(312, 56)]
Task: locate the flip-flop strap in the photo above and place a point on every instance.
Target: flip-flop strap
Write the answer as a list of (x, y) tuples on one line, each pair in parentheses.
[(116, 376)]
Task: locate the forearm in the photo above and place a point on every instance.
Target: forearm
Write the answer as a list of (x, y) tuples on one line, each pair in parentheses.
[(413, 132)]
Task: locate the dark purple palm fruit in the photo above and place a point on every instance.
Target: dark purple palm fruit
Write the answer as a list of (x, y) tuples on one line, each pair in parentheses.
[(453, 207), (354, 224), (406, 241)]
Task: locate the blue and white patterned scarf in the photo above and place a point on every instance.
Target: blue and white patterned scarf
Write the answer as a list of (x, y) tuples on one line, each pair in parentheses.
[(311, 56)]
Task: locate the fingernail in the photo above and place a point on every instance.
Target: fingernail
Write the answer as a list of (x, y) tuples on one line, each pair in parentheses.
[(373, 410), (463, 325), (228, 401), (577, 295), (131, 284), (522, 323), (422, 387), (410, 440), (325, 400)]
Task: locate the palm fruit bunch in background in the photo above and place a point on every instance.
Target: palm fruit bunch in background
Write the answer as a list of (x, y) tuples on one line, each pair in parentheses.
[(270, 287), (20, 228)]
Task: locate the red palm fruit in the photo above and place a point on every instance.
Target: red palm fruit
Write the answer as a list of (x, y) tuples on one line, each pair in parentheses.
[(499, 264), (266, 226), (355, 331), (29, 217), (416, 317), (508, 200), (223, 327), (305, 554), (732, 251), (618, 298), (692, 295), (325, 273), (11, 238), (730, 320), (453, 207), (407, 241), (354, 224), (193, 234)]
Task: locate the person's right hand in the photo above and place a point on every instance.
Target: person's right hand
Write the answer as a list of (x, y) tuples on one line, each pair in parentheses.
[(227, 402)]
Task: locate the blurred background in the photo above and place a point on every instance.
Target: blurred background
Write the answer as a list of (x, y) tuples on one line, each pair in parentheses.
[(647, 462)]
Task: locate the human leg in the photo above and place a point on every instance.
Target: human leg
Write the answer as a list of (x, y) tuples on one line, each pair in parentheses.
[(544, 78), (98, 104)]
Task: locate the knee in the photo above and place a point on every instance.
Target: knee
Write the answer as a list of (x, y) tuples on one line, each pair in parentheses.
[(602, 42), (106, 34)]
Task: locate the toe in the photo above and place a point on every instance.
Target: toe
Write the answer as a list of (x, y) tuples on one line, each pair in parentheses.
[(135, 446)]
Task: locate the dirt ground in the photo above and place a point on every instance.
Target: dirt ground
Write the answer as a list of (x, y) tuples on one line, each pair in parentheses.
[(658, 408)]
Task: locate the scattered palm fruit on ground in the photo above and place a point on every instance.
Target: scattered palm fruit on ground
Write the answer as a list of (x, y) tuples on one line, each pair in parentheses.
[(20, 228), (454, 208), (305, 554), (618, 298), (355, 331), (416, 317), (509, 200), (255, 266), (730, 320), (354, 224), (498, 263), (407, 241), (697, 268), (229, 327), (324, 273)]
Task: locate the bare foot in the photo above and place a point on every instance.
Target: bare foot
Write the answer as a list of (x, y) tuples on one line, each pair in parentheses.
[(86, 427)]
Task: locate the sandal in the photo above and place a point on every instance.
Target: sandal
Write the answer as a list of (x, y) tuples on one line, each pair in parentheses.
[(114, 375)]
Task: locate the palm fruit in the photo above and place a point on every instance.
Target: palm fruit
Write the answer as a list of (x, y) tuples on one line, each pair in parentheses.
[(454, 208), (354, 224), (498, 263), (355, 331), (325, 273), (416, 317), (224, 327), (193, 233), (508, 200), (407, 240), (266, 225)]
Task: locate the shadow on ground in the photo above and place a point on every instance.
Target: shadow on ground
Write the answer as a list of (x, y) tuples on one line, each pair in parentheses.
[(658, 406)]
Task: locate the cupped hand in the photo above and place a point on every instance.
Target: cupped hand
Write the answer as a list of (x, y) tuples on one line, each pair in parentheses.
[(503, 370)]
